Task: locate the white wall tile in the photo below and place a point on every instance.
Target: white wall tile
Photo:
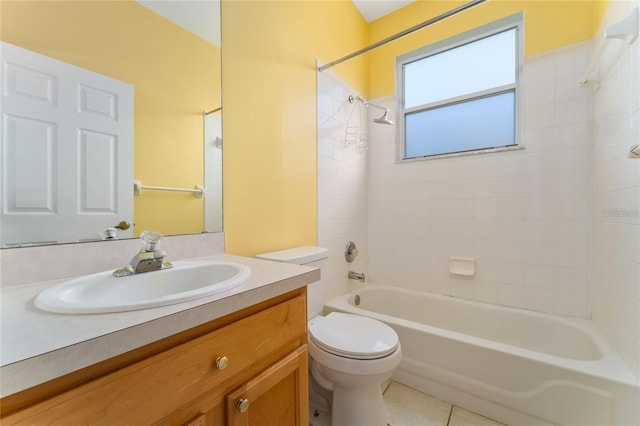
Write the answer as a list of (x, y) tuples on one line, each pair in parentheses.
[(486, 270), (512, 230), (464, 208), (485, 166), (540, 139), (540, 276), (571, 304), (485, 249), (572, 60), (571, 279), (573, 135), (511, 208), (532, 217), (540, 68), (541, 300), (485, 208), (540, 208), (616, 181), (540, 117), (486, 291), (462, 228), (511, 295), (540, 230), (462, 288), (537, 94), (511, 273), (512, 186), (342, 183), (522, 214), (440, 284)]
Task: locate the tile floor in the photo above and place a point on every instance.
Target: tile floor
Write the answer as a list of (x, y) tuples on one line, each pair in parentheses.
[(408, 407)]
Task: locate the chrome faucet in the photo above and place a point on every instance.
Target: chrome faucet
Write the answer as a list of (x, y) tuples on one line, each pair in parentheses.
[(356, 276), (149, 258)]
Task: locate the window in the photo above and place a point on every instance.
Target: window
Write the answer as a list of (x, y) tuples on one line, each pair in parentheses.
[(462, 94)]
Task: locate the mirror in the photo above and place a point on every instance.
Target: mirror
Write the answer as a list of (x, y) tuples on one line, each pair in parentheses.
[(174, 74)]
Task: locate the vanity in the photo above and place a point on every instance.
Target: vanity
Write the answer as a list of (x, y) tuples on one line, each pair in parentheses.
[(235, 358)]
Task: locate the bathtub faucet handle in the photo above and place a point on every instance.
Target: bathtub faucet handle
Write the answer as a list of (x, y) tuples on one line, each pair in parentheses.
[(350, 252), (356, 276)]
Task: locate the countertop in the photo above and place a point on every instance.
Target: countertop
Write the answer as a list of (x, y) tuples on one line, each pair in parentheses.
[(38, 346)]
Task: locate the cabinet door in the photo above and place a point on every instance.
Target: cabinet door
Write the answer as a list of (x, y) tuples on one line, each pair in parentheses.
[(278, 396)]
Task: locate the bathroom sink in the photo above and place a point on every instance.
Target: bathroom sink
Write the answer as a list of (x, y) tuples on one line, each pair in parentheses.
[(102, 292)]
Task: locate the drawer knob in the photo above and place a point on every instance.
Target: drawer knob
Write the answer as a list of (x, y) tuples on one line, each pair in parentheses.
[(243, 405), (222, 362)]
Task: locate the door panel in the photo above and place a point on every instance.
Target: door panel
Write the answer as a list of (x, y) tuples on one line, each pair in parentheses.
[(67, 150)]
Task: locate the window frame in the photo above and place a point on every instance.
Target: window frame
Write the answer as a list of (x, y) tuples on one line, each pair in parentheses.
[(516, 22)]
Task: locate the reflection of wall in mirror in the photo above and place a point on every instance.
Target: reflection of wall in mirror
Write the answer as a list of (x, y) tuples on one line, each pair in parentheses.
[(175, 74), (213, 171)]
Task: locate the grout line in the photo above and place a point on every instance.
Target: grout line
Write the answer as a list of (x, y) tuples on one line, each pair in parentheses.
[(450, 414)]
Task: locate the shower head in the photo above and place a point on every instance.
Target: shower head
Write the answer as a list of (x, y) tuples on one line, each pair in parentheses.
[(382, 120)]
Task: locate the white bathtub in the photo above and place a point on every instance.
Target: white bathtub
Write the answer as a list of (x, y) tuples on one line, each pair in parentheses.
[(518, 367)]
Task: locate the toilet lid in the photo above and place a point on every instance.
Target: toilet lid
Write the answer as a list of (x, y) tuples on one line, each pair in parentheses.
[(353, 336)]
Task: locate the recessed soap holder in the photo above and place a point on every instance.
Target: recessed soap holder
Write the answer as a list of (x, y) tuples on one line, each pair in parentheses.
[(462, 266)]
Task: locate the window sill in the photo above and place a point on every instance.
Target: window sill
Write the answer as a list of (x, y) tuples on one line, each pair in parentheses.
[(462, 154)]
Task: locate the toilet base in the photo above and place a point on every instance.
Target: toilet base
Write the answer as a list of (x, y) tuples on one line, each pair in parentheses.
[(358, 407), (319, 416)]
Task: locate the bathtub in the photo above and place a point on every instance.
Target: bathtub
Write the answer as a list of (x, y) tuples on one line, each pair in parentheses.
[(516, 366)]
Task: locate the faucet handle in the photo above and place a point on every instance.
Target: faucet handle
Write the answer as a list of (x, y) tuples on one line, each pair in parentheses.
[(151, 240), (350, 252)]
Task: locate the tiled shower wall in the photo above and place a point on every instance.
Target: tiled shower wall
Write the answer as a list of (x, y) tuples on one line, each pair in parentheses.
[(522, 215), (342, 183), (547, 225), (616, 188)]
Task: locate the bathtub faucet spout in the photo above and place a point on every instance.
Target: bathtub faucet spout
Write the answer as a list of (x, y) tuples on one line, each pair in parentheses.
[(356, 276)]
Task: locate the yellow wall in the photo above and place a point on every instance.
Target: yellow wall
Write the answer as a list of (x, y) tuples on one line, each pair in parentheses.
[(600, 9), (269, 120), (174, 77), (547, 25), (269, 91)]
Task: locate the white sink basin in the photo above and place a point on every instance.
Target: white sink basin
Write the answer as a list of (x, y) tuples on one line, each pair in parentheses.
[(102, 292)]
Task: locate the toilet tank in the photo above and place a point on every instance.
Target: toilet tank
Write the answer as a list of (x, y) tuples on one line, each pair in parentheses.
[(308, 256), (298, 255)]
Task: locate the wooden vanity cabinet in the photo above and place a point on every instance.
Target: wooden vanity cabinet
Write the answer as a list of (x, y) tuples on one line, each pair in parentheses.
[(248, 369)]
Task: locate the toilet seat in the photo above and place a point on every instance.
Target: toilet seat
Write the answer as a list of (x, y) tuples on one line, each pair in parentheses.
[(353, 336)]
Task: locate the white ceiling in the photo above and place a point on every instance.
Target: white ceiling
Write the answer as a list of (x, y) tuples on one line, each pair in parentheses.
[(374, 9), (197, 16), (201, 17)]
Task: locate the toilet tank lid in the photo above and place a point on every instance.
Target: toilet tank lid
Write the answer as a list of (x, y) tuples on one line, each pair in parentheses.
[(297, 255)]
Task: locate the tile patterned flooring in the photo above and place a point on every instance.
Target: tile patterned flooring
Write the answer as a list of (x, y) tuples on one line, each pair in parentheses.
[(408, 407)]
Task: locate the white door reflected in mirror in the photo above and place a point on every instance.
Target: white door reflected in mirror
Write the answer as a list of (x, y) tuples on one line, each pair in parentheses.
[(67, 149)]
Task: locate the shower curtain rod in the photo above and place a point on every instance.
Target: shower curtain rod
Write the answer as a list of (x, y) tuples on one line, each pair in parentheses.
[(403, 33), (212, 111)]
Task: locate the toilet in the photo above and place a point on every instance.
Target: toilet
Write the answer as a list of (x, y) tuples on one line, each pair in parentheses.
[(350, 356)]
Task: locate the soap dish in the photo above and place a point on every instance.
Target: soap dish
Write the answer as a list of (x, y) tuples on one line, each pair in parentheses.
[(462, 266)]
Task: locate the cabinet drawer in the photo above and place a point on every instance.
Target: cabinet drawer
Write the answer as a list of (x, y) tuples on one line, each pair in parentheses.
[(251, 339), (155, 387)]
